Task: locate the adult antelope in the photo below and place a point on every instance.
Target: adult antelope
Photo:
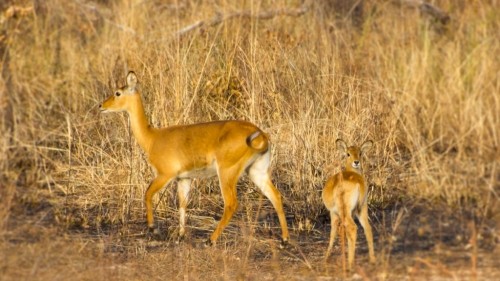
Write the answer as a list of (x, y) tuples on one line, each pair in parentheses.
[(345, 194), (222, 148)]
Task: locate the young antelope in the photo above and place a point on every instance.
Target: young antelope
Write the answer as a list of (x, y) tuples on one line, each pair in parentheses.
[(345, 194)]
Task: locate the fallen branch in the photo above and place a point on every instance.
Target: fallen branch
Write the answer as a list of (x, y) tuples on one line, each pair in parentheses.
[(266, 15)]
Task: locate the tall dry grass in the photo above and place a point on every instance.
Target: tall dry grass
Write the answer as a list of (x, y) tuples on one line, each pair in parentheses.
[(428, 95)]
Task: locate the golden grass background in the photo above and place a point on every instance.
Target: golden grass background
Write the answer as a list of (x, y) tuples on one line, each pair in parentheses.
[(427, 94)]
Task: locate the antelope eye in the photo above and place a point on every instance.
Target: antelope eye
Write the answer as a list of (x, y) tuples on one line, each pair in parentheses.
[(117, 94), (348, 155)]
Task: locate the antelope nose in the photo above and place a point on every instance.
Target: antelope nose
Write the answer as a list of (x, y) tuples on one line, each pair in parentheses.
[(356, 162)]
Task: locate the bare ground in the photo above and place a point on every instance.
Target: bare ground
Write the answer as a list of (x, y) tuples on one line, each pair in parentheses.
[(412, 243)]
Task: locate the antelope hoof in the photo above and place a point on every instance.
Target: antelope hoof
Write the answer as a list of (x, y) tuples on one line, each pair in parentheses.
[(153, 230), (152, 233), (180, 239), (208, 243), (283, 243)]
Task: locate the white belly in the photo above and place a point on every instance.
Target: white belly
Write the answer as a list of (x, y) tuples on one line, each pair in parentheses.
[(205, 172)]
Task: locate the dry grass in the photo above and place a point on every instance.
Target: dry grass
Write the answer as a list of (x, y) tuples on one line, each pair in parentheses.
[(72, 181)]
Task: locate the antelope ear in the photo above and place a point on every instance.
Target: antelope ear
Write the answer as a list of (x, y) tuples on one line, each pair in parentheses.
[(131, 80), (341, 145), (367, 145)]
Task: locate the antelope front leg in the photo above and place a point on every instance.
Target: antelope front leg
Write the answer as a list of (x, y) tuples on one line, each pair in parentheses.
[(183, 188), (158, 183)]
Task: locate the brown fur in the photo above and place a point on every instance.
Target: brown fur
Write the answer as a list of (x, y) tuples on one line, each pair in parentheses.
[(222, 148), (345, 194)]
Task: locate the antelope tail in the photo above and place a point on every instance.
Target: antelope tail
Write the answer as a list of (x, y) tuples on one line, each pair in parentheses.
[(258, 141)]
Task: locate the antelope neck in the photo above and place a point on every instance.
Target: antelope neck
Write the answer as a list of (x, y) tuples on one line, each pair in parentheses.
[(140, 125)]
